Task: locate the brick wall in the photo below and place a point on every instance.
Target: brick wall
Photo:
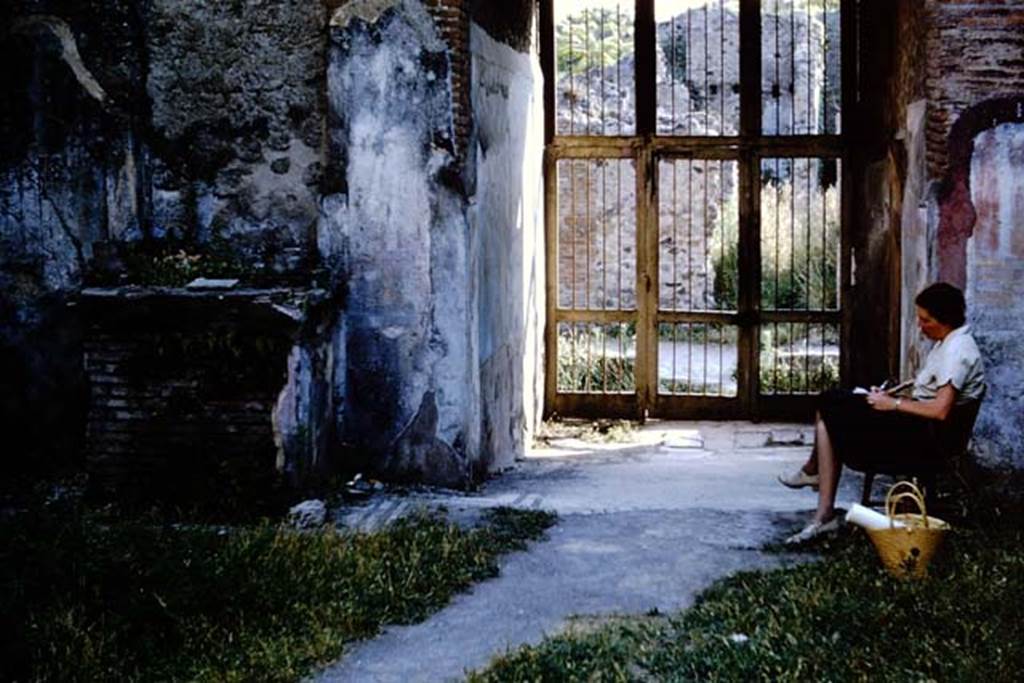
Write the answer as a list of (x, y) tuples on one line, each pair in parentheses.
[(975, 52), (145, 426), (908, 82), (452, 18), (182, 392)]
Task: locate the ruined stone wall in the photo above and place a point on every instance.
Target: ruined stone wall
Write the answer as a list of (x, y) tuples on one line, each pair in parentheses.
[(253, 139), (506, 213), (143, 127), (963, 211), (237, 115)]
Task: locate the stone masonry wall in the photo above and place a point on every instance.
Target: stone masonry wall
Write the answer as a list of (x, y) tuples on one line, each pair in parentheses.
[(131, 127), (220, 133), (966, 215)]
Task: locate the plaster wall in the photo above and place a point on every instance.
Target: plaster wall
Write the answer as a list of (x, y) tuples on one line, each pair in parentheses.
[(397, 232), (962, 209), (507, 215), (918, 224), (995, 288)]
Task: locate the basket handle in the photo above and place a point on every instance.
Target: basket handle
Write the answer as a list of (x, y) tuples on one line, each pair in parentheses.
[(891, 501), (912, 485)]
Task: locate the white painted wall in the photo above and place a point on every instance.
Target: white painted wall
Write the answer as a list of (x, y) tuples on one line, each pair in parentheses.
[(507, 216)]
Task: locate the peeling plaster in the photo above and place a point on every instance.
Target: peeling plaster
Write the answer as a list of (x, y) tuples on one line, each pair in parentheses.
[(398, 235), (995, 288), (69, 50), (370, 11)]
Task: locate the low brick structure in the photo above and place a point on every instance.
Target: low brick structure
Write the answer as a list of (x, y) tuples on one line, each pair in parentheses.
[(188, 389)]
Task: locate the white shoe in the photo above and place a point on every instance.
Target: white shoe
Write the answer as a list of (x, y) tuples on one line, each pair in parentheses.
[(813, 530), (799, 479)]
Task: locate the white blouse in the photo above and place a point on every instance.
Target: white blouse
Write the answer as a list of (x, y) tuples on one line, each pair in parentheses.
[(954, 360)]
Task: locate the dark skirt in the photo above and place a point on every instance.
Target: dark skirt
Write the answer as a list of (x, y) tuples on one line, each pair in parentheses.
[(865, 438)]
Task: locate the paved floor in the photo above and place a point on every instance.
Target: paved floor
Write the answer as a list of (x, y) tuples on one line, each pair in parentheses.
[(642, 525)]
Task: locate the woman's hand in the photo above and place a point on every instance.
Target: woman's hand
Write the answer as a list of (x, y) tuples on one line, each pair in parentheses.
[(879, 400)]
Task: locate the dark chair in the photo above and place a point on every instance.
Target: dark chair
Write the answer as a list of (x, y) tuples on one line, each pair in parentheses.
[(954, 435)]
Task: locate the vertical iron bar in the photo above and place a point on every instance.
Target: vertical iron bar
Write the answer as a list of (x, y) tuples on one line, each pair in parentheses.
[(600, 27), (777, 86), (778, 198), (707, 237), (824, 71), (778, 185), (675, 237), (572, 75), (587, 339), (675, 266), (689, 259), (672, 73), (809, 275), (812, 126), (604, 235), (588, 129), (574, 225), (824, 249), (589, 227), (618, 63), (721, 67), (618, 215), (721, 224), (704, 263), (707, 91), (686, 75), (792, 69), (604, 264), (618, 220), (604, 357), (792, 256)]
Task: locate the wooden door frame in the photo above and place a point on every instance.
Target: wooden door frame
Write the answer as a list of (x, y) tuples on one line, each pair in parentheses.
[(646, 148)]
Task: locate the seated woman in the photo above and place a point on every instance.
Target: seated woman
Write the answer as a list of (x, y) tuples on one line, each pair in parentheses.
[(864, 430)]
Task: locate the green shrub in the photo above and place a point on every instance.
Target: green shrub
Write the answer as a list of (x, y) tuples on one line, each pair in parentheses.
[(582, 365)]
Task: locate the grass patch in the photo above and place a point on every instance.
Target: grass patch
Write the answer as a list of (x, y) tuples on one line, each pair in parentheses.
[(89, 599), (840, 619)]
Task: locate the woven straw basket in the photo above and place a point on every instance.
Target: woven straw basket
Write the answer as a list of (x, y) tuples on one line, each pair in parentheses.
[(906, 551)]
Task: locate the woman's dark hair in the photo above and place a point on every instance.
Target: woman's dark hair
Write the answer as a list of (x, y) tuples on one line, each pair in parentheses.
[(944, 302)]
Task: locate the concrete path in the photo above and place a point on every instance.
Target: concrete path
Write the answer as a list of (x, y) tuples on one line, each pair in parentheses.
[(642, 525)]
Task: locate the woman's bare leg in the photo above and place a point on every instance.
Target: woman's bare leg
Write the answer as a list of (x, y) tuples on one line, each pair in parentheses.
[(829, 469), (811, 466)]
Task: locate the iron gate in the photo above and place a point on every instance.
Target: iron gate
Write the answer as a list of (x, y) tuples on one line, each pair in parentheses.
[(694, 205)]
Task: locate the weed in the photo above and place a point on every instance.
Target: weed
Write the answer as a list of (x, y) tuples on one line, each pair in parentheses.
[(840, 619), (85, 600)]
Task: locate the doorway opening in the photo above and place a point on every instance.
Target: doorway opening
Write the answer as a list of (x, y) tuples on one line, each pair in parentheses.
[(695, 212)]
